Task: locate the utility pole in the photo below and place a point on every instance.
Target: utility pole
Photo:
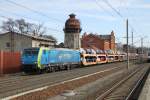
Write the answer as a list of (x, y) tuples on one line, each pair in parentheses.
[(133, 56), (141, 45), (127, 44), (141, 49), (132, 42)]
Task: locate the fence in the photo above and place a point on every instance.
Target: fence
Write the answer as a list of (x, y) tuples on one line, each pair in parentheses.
[(10, 62)]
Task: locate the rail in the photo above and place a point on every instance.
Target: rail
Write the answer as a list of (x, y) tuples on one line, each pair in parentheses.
[(123, 81), (134, 94)]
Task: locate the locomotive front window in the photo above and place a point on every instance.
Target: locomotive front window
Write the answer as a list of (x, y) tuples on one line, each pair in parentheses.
[(30, 52), (35, 52), (27, 53)]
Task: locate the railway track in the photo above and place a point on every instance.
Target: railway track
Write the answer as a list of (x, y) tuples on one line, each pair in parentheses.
[(128, 87), (13, 85)]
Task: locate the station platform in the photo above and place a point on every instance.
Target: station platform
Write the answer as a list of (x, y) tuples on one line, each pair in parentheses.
[(145, 93)]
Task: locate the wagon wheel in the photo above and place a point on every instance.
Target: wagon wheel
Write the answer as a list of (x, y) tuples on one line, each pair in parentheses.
[(52, 69)]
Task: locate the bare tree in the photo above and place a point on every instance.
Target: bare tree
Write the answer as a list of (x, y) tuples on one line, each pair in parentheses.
[(38, 29), (8, 26), (23, 27)]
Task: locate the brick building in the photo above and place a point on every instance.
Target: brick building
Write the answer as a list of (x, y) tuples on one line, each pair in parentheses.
[(103, 42)]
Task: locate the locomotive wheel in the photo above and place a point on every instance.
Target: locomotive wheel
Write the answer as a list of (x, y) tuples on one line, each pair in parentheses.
[(40, 71), (48, 69), (52, 69)]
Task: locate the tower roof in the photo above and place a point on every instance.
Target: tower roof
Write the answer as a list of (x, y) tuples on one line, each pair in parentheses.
[(72, 15), (72, 22)]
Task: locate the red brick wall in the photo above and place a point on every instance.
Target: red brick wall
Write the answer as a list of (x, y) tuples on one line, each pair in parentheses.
[(106, 45), (90, 40)]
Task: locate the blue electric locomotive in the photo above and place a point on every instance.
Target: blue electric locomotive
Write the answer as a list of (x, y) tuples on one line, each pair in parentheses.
[(44, 59)]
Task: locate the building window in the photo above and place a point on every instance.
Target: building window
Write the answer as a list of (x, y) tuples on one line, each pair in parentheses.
[(7, 44)]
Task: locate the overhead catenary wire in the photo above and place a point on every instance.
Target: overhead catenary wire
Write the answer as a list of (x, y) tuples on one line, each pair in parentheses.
[(114, 9), (100, 6), (34, 11), (118, 13), (52, 29), (42, 14), (25, 17), (51, 18), (133, 30)]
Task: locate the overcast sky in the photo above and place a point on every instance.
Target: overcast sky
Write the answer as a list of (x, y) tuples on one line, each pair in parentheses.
[(96, 16)]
